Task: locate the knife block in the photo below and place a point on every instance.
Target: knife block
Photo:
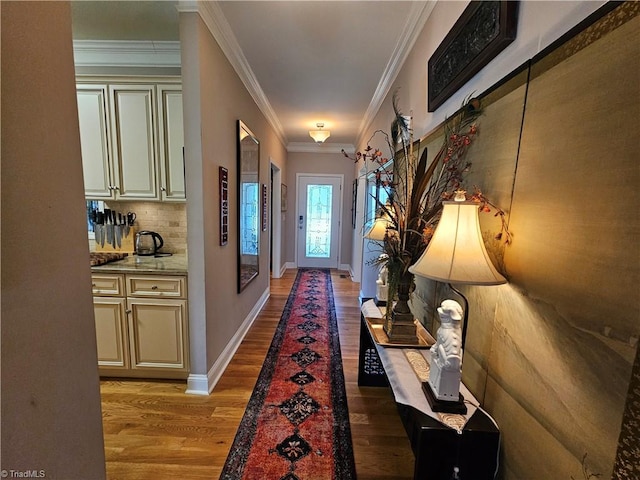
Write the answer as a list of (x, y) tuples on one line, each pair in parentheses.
[(128, 244)]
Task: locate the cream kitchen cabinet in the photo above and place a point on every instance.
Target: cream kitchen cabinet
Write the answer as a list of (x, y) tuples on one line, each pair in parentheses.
[(171, 143), (111, 332), (141, 325), (158, 333), (110, 306), (94, 140), (132, 141)]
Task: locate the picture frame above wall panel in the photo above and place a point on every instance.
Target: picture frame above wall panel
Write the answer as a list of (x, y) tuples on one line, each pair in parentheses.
[(483, 30)]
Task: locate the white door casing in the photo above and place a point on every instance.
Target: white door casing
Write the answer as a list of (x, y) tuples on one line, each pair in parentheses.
[(319, 229)]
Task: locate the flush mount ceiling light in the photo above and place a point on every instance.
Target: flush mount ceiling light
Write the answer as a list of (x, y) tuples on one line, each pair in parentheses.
[(319, 135)]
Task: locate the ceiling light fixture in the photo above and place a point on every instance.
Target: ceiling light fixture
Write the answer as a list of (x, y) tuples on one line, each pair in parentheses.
[(319, 135)]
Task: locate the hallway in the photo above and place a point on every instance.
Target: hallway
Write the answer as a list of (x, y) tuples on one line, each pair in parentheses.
[(152, 430)]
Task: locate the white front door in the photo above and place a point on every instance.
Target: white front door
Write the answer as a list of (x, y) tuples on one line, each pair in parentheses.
[(319, 210)]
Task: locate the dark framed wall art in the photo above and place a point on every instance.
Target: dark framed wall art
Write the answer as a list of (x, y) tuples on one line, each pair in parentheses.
[(354, 202), (223, 179), (483, 30), (265, 212), (283, 198)]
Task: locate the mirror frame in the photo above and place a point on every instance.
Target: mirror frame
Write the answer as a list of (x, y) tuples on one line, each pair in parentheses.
[(248, 174)]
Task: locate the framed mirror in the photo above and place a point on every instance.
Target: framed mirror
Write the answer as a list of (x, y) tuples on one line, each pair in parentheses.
[(248, 206)]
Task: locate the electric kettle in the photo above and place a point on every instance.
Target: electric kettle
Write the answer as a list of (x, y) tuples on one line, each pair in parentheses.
[(148, 243)]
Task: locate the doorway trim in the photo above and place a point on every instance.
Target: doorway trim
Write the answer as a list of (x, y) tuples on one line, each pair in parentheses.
[(277, 269), (340, 212)]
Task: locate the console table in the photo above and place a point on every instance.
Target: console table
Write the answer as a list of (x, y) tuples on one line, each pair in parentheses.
[(437, 447)]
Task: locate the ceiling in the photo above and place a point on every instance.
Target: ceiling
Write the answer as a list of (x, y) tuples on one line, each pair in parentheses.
[(311, 61)]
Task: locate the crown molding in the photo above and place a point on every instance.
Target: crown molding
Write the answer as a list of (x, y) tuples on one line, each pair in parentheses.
[(420, 12), (310, 147), (125, 53), (216, 22)]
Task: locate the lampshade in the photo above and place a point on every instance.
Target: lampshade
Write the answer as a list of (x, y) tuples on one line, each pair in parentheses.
[(456, 253), (319, 135), (378, 229)]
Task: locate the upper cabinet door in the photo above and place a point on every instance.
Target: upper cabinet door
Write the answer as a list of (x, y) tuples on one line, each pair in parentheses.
[(134, 142), (171, 143), (94, 141)]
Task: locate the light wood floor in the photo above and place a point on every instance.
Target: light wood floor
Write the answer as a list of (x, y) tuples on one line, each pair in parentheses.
[(153, 430)]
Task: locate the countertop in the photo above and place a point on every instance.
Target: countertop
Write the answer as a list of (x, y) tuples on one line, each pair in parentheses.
[(174, 265)]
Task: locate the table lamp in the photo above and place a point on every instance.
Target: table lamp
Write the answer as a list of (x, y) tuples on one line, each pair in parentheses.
[(377, 232), (378, 229), (455, 254)]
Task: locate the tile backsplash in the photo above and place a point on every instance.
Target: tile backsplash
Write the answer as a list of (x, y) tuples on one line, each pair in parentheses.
[(167, 219)]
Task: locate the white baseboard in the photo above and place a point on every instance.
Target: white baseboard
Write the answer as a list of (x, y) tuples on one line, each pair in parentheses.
[(198, 384), (351, 273), (289, 265), (283, 269), (345, 267)]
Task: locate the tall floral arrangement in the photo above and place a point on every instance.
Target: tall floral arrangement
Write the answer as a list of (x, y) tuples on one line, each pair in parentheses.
[(416, 187)]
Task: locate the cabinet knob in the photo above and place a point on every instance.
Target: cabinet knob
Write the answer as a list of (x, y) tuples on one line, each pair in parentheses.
[(164, 189), (127, 311), (93, 285), (155, 287)]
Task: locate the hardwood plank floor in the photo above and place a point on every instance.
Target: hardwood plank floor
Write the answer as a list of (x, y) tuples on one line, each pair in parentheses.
[(153, 430)]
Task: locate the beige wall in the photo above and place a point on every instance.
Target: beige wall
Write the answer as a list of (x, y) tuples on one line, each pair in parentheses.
[(50, 392), (319, 163), (550, 354), (214, 100)]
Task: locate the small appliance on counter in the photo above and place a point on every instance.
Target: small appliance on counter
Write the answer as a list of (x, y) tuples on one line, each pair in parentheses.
[(149, 243)]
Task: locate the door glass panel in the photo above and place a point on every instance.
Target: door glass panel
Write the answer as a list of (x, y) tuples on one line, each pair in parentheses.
[(318, 239), (249, 219)]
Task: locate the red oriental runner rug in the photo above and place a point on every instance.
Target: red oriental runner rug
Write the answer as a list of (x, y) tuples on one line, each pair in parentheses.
[(296, 426)]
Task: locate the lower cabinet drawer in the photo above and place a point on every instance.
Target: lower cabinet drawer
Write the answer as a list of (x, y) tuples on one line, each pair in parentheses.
[(156, 286), (107, 285)]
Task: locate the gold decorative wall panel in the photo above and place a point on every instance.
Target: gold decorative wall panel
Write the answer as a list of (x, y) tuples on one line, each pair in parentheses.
[(550, 354)]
